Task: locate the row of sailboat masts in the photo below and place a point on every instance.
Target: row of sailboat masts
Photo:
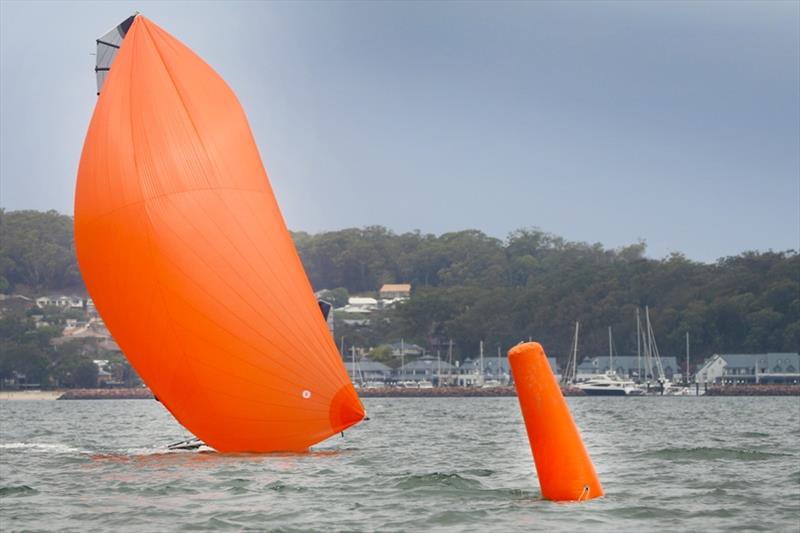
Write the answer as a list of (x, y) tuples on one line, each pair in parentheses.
[(647, 350), (648, 359), (357, 377)]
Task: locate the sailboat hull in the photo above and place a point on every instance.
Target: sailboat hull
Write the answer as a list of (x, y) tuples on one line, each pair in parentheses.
[(605, 392)]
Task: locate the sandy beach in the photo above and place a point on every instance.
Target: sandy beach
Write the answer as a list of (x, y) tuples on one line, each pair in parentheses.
[(30, 395)]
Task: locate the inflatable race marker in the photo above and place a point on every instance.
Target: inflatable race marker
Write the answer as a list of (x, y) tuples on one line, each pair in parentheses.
[(564, 468)]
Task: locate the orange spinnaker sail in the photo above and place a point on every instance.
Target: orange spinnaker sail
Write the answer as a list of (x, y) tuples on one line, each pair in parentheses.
[(186, 255)]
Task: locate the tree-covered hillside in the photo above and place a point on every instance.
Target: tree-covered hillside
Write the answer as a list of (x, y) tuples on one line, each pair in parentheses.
[(470, 287), (37, 252)]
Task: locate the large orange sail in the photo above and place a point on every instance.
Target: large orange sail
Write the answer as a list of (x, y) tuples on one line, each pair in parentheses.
[(186, 255)]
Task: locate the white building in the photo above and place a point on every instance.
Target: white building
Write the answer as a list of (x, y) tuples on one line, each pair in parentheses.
[(740, 369), (65, 302), (360, 304)]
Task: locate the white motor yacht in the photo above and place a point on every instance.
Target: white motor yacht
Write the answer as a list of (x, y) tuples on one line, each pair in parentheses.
[(609, 384)]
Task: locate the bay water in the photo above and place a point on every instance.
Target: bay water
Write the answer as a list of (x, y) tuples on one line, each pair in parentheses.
[(446, 464)]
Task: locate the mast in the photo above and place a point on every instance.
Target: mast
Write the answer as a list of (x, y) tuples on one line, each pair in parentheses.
[(499, 373), (648, 361), (402, 356), (653, 347), (480, 375), (610, 352), (353, 355), (450, 360), (687, 357), (439, 367), (575, 353), (638, 345)]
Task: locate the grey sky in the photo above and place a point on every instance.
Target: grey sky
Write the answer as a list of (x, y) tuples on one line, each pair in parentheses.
[(675, 122)]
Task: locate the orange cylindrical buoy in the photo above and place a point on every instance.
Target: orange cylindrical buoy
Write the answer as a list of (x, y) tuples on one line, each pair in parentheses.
[(566, 472)]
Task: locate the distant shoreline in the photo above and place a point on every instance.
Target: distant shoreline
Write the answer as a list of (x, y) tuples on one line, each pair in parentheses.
[(30, 395), (143, 393)]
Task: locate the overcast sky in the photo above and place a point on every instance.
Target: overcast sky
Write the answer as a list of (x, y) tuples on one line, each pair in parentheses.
[(677, 122)]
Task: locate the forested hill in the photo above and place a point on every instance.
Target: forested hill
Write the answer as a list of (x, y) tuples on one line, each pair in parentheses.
[(37, 252), (471, 287)]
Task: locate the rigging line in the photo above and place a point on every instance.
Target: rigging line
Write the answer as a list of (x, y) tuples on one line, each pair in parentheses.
[(106, 43)]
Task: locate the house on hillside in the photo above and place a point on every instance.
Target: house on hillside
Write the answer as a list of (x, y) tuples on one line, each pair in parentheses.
[(741, 369), (64, 302), (406, 349), (392, 291)]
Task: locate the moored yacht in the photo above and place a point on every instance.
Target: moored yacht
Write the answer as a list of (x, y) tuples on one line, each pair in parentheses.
[(609, 384)]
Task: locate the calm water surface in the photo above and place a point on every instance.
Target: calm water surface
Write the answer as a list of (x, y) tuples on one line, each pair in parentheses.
[(667, 464)]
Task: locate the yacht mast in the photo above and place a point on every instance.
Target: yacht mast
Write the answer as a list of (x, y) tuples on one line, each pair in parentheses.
[(687, 357), (638, 345), (353, 356), (575, 353), (610, 352), (499, 372), (450, 360), (648, 362), (480, 375), (439, 367), (653, 347), (402, 357)]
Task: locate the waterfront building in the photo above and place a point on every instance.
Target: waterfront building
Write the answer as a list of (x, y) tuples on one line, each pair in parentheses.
[(624, 365), (360, 304), (742, 369), (368, 371), (492, 370), (498, 369), (468, 373), (427, 368)]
